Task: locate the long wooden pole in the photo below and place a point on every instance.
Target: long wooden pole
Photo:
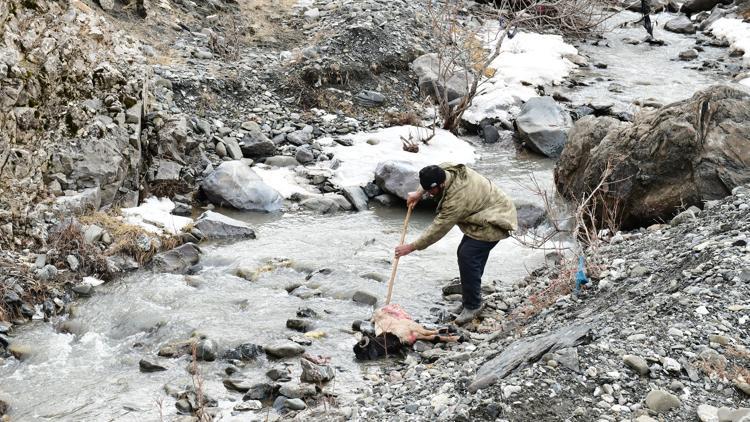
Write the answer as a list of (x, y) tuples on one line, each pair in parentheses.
[(395, 262)]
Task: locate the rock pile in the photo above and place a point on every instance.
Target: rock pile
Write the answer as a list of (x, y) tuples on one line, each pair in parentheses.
[(660, 333)]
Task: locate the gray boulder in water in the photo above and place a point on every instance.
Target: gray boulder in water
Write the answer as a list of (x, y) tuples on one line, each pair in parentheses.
[(680, 25), (397, 177), (235, 184), (543, 125), (683, 154), (217, 226), (177, 260)]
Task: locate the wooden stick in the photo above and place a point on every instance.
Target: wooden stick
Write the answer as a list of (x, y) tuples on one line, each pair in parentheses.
[(395, 262)]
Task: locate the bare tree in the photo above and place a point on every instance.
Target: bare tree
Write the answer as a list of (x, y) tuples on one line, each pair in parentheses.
[(462, 58)]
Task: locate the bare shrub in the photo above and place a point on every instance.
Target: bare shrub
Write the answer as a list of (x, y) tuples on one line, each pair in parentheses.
[(461, 53), (402, 118)]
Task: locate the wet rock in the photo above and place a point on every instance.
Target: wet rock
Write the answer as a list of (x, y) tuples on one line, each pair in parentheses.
[(529, 215), (183, 407), (314, 373), (216, 226), (206, 350), (295, 404), (680, 25), (386, 200), (279, 374), (438, 80), (356, 196), (4, 407), (148, 366), (691, 165), (20, 351), (397, 177), (260, 391), (321, 204), (365, 298), (255, 143), (283, 349), (543, 126), (244, 352), (489, 134), (688, 55), (237, 385), (83, 289), (248, 405), (234, 184), (177, 260), (661, 401), (299, 325)]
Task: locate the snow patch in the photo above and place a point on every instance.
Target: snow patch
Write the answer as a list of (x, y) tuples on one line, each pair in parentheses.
[(282, 179), (526, 60), (745, 82), (153, 215), (736, 32), (358, 162)]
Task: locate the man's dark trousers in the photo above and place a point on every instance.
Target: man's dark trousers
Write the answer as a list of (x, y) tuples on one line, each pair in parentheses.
[(472, 257)]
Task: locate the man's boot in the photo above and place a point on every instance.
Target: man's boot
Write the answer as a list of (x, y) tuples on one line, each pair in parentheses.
[(467, 315)]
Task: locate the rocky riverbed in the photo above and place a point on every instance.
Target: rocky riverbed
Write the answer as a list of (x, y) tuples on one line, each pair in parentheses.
[(195, 194)]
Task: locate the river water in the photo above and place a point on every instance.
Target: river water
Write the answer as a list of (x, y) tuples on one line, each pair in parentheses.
[(93, 374)]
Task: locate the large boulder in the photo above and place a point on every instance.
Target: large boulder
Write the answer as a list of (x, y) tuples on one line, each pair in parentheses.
[(397, 177), (680, 25), (543, 126), (440, 80), (233, 183), (217, 226), (694, 6), (683, 154)]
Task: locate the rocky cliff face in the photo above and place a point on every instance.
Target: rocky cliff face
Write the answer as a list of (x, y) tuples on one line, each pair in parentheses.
[(70, 112)]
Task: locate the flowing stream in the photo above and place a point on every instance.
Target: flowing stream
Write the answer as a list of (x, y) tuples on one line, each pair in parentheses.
[(93, 374)]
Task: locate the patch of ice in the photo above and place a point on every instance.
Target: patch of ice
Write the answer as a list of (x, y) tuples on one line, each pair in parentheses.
[(358, 162), (745, 82), (154, 216), (282, 179), (526, 60), (736, 32)]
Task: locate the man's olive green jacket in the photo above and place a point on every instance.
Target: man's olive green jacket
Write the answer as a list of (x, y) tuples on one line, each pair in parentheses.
[(481, 210)]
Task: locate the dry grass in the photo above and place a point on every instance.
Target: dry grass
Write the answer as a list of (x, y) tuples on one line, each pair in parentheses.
[(402, 118), (34, 291), (198, 382), (126, 237), (69, 240)]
